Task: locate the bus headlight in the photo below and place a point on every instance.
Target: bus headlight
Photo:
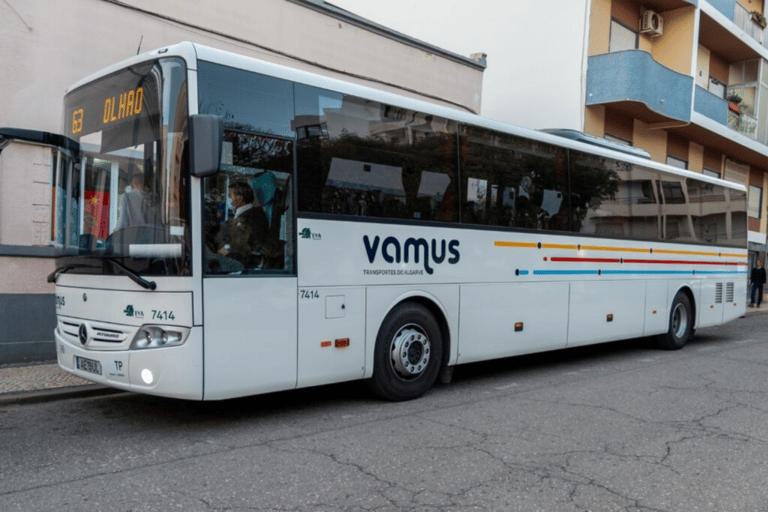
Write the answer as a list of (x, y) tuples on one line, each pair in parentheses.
[(155, 336)]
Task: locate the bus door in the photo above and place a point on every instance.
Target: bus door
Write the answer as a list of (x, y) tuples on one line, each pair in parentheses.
[(249, 285)]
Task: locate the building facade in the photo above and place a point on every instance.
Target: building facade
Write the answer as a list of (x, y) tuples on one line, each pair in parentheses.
[(47, 46), (687, 81)]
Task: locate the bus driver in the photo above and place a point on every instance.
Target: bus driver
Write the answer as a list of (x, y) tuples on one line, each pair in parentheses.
[(243, 235)]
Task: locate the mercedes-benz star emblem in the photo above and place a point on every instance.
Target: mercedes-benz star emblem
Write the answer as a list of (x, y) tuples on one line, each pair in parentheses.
[(82, 333)]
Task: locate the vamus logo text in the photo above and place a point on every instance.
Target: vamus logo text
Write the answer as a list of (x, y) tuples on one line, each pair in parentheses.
[(417, 250)]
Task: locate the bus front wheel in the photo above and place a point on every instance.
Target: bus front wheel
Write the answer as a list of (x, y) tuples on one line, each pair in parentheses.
[(680, 327), (408, 353)]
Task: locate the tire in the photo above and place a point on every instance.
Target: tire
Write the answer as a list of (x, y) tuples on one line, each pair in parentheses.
[(408, 353), (680, 324)]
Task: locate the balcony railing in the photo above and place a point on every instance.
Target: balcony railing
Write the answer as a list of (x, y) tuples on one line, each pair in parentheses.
[(634, 76), (742, 18), (710, 105), (717, 109)]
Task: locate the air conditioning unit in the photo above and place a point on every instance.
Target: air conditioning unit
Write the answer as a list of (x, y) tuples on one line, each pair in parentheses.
[(652, 24)]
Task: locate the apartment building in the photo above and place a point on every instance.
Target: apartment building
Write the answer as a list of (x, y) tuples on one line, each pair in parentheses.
[(47, 46), (687, 81)]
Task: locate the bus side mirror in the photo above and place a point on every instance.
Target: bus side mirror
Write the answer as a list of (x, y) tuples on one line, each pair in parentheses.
[(206, 138)]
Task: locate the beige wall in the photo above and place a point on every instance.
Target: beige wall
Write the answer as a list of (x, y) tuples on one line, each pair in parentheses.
[(594, 120), (24, 276), (599, 27), (25, 202), (674, 48), (751, 5), (696, 157), (653, 141)]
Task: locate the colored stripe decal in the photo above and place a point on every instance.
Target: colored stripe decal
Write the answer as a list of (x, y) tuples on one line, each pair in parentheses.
[(564, 272), (575, 247), (635, 272), (645, 262), (619, 249), (529, 245)]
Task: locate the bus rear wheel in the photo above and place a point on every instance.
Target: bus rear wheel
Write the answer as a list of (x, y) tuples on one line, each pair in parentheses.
[(408, 353), (680, 324)]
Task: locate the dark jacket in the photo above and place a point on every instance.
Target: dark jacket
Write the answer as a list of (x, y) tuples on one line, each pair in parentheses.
[(758, 276), (245, 235)]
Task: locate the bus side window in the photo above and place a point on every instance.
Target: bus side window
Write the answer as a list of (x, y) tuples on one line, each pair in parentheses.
[(512, 181), (363, 158), (248, 224)]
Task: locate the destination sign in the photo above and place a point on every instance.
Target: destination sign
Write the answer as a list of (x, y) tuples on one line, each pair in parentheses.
[(118, 107)]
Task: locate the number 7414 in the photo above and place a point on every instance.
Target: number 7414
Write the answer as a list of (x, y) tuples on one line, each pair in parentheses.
[(162, 315)]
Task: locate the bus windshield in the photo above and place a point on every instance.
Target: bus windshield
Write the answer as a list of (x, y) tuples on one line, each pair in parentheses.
[(124, 197)]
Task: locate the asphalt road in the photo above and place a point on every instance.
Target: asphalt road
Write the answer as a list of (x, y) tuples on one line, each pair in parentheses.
[(616, 427)]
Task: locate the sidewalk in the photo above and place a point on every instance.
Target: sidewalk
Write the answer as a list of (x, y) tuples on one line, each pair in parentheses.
[(45, 382), (42, 383)]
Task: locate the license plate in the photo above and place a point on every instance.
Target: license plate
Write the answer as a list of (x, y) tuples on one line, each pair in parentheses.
[(88, 365)]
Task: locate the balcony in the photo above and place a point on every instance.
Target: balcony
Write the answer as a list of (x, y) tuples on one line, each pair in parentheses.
[(711, 106), (742, 18), (633, 82)]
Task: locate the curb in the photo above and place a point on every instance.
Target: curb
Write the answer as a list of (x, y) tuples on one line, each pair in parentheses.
[(50, 395)]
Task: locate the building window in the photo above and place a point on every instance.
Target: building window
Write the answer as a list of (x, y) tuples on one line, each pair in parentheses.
[(622, 38), (710, 172), (716, 87), (677, 162), (755, 201)]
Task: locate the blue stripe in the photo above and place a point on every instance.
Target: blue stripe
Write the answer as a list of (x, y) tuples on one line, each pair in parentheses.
[(743, 272), (564, 272), (672, 272)]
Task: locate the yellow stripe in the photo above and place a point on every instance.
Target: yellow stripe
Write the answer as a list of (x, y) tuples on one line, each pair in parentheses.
[(606, 248), (560, 246), (691, 253), (529, 245)]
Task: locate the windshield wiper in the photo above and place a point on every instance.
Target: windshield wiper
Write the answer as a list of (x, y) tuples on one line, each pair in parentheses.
[(56, 273), (149, 285)]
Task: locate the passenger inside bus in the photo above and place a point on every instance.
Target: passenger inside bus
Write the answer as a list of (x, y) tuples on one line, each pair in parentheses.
[(242, 236), (135, 208)]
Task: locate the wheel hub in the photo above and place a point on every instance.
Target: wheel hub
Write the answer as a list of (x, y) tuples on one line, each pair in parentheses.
[(679, 320), (410, 352)]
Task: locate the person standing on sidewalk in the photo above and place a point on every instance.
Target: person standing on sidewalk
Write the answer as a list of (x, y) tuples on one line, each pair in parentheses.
[(758, 280)]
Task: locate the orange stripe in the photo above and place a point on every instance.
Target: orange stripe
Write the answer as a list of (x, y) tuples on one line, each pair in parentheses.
[(606, 248), (530, 245), (560, 246), (694, 253)]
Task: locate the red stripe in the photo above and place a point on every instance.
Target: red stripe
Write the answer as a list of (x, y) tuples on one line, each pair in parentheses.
[(588, 260), (646, 262), (682, 262)]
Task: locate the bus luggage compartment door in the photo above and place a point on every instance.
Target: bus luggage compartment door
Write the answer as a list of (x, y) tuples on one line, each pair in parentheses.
[(331, 335), (490, 312)]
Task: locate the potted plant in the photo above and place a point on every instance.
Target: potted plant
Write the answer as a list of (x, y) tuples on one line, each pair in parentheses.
[(733, 103), (759, 18)]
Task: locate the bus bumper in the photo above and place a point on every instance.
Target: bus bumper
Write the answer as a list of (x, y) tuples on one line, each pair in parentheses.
[(175, 372)]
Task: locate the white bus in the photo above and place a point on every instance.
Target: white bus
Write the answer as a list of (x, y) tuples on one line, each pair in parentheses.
[(230, 227)]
